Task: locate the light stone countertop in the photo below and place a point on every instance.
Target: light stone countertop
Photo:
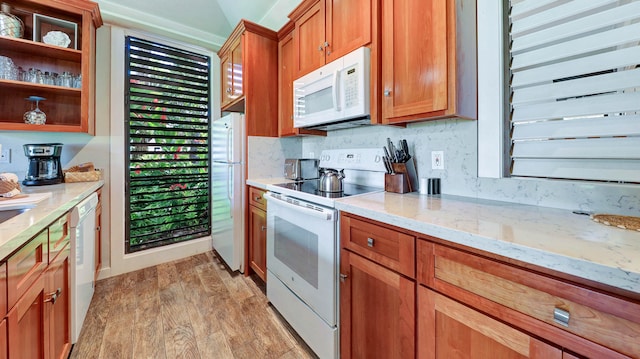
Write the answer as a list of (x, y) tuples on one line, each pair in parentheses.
[(18, 230), (262, 183), (550, 238)]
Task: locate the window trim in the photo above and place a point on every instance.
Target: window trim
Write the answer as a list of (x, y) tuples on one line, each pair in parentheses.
[(493, 99), (111, 51)]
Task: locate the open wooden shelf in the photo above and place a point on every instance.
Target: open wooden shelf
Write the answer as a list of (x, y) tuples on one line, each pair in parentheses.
[(39, 49)]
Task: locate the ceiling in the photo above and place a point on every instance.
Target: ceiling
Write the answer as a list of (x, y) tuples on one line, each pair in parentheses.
[(202, 22)]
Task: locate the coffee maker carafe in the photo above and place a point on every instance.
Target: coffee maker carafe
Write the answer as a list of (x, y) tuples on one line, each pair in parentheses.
[(44, 164)]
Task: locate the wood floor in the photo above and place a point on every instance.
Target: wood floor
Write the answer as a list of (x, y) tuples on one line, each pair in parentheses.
[(190, 308)]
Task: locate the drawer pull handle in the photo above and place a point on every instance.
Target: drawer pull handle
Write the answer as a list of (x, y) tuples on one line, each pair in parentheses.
[(370, 242), (343, 277), (257, 198), (561, 316)]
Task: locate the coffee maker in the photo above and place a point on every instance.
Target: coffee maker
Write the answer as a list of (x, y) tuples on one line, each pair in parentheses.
[(44, 164)]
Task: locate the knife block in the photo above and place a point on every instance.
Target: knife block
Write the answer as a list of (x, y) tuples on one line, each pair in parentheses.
[(396, 183)]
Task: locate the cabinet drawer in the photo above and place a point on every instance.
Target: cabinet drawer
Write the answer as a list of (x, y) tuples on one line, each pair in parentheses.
[(256, 198), (604, 319), (389, 247), (26, 265), (58, 236)]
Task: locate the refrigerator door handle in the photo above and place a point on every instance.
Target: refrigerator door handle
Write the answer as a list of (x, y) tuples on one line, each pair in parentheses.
[(229, 143), (229, 187)]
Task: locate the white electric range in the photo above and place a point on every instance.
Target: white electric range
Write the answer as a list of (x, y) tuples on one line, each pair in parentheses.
[(302, 245)]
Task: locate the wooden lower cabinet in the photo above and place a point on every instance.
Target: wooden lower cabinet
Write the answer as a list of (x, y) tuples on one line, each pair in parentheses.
[(27, 323), (469, 304), (59, 310), (38, 323), (3, 340), (258, 241), (377, 310), (448, 329), (257, 229)]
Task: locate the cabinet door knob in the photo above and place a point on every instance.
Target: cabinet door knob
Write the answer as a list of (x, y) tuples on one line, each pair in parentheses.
[(52, 297), (320, 48), (229, 90), (263, 228), (343, 277), (370, 242), (561, 316), (326, 44), (387, 93)]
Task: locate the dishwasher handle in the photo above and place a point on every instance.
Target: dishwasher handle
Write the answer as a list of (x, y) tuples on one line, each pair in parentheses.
[(83, 209)]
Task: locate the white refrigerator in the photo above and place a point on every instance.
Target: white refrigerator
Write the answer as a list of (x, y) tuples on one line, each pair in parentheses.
[(228, 188)]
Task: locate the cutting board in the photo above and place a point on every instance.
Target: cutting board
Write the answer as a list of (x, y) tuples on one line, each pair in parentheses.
[(23, 200)]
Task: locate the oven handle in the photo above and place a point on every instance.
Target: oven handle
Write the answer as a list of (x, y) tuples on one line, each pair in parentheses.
[(310, 212)]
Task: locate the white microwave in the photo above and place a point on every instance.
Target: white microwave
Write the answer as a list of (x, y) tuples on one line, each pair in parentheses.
[(334, 95)]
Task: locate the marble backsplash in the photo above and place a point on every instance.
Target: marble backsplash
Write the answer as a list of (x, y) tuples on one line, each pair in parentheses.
[(458, 140), (266, 155)]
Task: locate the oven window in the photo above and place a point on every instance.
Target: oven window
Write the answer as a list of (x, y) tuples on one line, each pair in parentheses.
[(317, 101), (297, 248)]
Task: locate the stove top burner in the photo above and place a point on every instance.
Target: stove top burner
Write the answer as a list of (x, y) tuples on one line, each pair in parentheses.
[(311, 187)]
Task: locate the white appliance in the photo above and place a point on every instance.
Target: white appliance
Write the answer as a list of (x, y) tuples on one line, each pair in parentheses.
[(302, 246), (228, 189), (335, 95), (83, 236)]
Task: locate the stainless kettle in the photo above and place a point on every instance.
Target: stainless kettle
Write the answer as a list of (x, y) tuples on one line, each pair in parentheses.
[(331, 180)]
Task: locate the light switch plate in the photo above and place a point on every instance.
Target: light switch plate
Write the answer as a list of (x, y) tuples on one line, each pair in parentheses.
[(437, 160), (5, 156)]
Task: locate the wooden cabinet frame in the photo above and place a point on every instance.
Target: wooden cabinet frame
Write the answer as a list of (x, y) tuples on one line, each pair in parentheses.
[(494, 297), (67, 109), (251, 54)]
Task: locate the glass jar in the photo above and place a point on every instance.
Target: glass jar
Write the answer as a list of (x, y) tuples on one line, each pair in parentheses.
[(10, 25)]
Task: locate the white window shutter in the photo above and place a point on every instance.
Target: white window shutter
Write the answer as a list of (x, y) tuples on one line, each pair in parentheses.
[(575, 89)]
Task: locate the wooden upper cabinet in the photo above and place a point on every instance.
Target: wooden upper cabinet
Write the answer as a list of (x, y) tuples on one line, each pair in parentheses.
[(309, 40), (286, 50), (428, 62), (68, 109), (249, 77), (231, 74), (328, 29), (348, 26)]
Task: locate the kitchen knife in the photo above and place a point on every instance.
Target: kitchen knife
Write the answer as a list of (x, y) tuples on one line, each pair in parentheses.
[(392, 151), (387, 164), (386, 152), (405, 148)]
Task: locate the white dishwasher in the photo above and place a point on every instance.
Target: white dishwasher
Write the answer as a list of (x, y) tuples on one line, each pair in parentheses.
[(83, 226)]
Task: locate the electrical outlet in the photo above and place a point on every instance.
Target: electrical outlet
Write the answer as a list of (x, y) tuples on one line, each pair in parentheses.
[(5, 156), (437, 160)]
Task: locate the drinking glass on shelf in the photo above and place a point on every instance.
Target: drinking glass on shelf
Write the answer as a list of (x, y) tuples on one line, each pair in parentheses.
[(35, 116), (66, 79), (8, 70)]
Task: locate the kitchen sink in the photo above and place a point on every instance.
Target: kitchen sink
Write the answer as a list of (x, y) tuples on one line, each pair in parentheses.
[(6, 215)]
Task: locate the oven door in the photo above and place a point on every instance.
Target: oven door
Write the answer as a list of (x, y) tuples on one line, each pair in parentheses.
[(301, 251)]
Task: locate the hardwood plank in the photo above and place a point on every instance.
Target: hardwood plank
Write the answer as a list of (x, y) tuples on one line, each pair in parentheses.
[(148, 340), (191, 308), (117, 340)]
